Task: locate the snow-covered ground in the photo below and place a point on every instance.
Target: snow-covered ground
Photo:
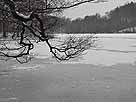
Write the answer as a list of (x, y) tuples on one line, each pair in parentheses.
[(69, 83), (106, 74), (111, 49)]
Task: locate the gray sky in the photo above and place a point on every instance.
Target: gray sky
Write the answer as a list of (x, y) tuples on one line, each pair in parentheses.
[(93, 8)]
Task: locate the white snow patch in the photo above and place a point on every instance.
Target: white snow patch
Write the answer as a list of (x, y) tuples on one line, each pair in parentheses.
[(26, 67), (9, 99)]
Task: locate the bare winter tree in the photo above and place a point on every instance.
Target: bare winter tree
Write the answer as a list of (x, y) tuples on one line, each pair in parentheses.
[(30, 21)]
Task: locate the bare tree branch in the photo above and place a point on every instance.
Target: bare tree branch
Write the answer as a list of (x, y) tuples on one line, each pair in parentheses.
[(31, 25)]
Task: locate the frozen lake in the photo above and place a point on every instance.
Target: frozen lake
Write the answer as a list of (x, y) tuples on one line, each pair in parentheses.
[(106, 73), (111, 49)]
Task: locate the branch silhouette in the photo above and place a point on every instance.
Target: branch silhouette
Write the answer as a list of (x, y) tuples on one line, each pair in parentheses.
[(31, 27)]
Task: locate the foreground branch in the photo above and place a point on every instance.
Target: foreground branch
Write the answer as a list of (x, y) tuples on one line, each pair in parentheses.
[(31, 29)]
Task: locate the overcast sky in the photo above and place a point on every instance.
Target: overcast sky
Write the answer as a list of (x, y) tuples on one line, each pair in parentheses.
[(93, 8)]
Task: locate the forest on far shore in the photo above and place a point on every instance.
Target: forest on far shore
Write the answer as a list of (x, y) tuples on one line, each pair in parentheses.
[(120, 20)]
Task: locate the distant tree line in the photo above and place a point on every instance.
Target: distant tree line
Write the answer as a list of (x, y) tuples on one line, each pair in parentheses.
[(120, 18)]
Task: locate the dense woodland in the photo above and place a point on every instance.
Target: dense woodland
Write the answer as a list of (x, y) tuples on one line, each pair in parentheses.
[(118, 19), (114, 21)]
